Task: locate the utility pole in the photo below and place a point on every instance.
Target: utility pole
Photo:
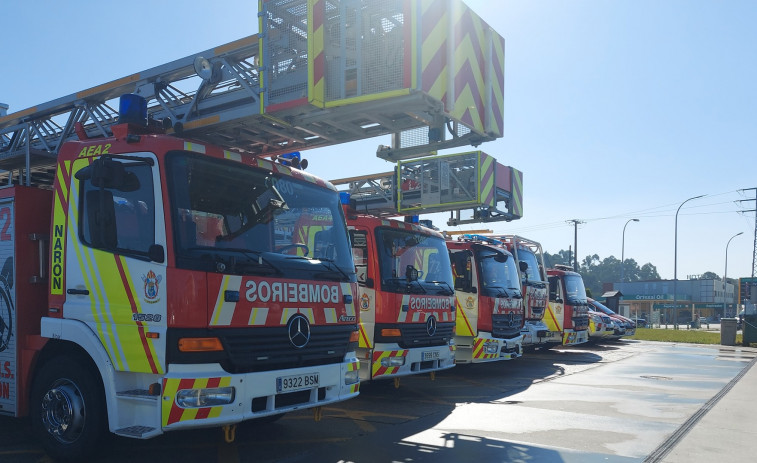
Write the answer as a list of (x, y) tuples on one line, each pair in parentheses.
[(754, 253), (575, 242)]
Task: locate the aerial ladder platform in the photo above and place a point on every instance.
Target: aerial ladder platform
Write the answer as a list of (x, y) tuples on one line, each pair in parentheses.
[(430, 73), (451, 183)]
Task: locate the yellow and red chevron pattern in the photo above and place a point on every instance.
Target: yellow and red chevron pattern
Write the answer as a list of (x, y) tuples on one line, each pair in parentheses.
[(478, 350), (377, 369), (487, 166), (317, 66), (354, 366), (471, 66), (172, 413), (517, 192)]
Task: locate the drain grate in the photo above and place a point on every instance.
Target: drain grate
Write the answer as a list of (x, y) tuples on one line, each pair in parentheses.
[(661, 378)]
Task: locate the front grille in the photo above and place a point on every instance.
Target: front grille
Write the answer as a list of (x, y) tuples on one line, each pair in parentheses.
[(265, 348), (581, 322), (269, 348), (415, 335), (505, 326)]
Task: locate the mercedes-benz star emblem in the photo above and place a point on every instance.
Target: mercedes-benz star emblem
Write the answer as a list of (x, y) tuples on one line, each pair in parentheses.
[(431, 326), (299, 331)]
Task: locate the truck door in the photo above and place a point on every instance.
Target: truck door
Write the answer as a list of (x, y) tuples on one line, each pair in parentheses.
[(556, 312), (466, 297), (366, 277), (115, 276)]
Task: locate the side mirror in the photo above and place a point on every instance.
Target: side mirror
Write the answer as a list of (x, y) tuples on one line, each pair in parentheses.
[(156, 253), (411, 273), (501, 258), (523, 266), (108, 173), (369, 282)]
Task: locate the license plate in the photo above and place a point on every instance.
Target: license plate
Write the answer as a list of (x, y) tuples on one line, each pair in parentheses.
[(432, 355), (296, 382)]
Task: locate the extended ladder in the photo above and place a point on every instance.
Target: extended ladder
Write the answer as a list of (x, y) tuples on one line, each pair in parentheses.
[(319, 73)]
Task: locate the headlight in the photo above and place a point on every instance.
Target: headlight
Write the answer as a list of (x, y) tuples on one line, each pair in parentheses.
[(351, 377), (195, 398), (392, 361), (491, 347)]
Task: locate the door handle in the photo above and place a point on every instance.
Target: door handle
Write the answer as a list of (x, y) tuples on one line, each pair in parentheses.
[(84, 292)]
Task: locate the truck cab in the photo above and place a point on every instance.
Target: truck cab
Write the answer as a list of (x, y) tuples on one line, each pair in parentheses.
[(488, 300), (529, 260), (186, 287), (567, 314), (405, 295)]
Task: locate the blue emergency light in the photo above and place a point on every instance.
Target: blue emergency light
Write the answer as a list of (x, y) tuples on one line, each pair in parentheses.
[(132, 109), (344, 198)]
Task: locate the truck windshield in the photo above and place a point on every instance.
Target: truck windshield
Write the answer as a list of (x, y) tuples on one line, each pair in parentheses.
[(498, 279), (533, 273), (575, 293), (399, 250), (237, 219)]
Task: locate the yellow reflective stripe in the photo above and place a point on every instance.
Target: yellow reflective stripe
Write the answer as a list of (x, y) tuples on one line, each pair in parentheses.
[(223, 311), (365, 98), (287, 312), (258, 316), (170, 388)]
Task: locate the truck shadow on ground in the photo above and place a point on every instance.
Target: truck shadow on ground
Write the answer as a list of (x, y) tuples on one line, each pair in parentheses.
[(379, 425)]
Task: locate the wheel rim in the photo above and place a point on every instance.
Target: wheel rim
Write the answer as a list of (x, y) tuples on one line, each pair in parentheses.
[(63, 411)]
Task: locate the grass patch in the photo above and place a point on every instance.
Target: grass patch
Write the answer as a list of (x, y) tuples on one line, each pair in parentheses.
[(690, 336)]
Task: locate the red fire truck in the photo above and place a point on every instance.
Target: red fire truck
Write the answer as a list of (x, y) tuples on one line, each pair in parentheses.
[(567, 314), (181, 287), (530, 262), (489, 303), (405, 295)]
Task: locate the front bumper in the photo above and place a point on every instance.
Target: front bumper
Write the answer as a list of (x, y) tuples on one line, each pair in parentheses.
[(485, 348), (388, 361), (536, 332), (255, 395)]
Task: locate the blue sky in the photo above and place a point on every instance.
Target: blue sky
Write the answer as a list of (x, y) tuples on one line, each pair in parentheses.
[(614, 109)]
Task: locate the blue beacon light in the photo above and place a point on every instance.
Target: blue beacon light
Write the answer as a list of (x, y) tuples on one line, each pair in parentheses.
[(132, 109)]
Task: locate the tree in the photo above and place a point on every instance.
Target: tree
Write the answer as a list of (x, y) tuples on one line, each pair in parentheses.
[(709, 276), (595, 271)]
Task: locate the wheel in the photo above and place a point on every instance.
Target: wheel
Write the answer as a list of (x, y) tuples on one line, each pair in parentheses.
[(68, 408), (283, 249)]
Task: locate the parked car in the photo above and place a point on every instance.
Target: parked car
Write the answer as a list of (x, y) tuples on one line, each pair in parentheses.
[(624, 325), (600, 325)]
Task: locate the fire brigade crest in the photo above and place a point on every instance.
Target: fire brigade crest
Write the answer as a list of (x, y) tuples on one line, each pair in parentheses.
[(152, 286), (365, 302), (469, 303)]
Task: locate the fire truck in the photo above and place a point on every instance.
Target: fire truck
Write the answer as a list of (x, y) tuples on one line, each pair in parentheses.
[(488, 300), (529, 260), (567, 313), (169, 265), (405, 295)]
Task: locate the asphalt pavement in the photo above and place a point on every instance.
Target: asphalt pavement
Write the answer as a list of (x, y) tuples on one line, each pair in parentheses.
[(723, 430)]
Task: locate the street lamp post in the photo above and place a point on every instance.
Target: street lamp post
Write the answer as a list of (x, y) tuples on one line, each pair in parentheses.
[(675, 265), (623, 250), (725, 272)]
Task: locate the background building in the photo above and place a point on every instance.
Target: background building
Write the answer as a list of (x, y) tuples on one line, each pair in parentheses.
[(653, 300)]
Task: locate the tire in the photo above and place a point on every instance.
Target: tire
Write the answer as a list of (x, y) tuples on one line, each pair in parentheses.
[(67, 408)]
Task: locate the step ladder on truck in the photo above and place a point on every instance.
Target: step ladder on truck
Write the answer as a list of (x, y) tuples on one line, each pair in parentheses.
[(156, 244)]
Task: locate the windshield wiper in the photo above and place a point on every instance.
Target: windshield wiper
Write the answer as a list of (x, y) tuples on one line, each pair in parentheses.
[(334, 268), (448, 291), (502, 293), (253, 257)]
